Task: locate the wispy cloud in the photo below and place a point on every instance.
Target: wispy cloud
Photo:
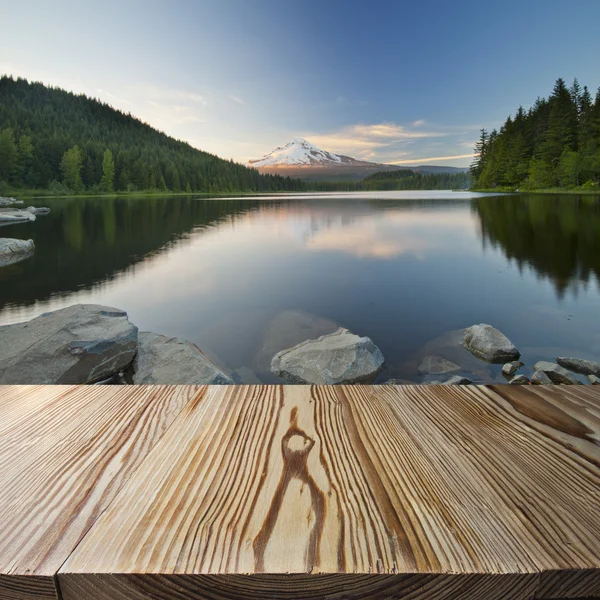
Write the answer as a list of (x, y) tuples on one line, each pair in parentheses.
[(363, 140), (429, 159), (236, 99)]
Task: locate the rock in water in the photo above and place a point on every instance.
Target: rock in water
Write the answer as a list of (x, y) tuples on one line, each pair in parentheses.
[(83, 343), (579, 365), (15, 215), (487, 343), (457, 380), (556, 373), (540, 378), (519, 380), (38, 210), (339, 357), (12, 250), (594, 380), (511, 367), (162, 359), (436, 364)]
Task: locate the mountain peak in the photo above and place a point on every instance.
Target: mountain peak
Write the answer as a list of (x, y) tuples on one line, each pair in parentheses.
[(298, 152)]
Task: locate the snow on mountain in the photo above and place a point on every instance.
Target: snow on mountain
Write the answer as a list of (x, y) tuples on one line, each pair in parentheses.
[(300, 152)]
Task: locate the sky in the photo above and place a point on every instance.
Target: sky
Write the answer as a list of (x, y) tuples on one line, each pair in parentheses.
[(388, 81)]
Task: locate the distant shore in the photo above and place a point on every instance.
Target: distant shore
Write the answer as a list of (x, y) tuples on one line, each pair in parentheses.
[(502, 190)]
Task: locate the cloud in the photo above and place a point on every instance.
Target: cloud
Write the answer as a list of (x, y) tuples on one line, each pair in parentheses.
[(236, 99), (418, 123), (363, 140), (429, 159)]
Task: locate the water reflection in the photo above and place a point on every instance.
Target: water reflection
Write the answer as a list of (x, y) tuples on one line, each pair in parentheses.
[(226, 274), (557, 236)]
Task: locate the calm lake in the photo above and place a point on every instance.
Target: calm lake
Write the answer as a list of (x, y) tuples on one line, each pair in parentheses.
[(245, 277)]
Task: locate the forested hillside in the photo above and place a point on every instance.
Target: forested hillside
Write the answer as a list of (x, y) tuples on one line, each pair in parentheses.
[(55, 140), (410, 180), (556, 143)]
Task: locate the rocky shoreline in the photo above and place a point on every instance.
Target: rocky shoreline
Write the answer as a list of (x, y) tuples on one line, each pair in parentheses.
[(91, 344), (14, 250)]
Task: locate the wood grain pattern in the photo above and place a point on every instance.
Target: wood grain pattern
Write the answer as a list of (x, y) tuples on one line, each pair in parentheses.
[(361, 486), (65, 451), (299, 587)]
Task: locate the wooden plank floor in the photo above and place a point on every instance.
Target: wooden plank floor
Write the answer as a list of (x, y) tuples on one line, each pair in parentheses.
[(299, 492)]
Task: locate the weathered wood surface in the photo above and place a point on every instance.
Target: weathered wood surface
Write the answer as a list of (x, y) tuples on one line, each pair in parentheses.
[(65, 451), (420, 492)]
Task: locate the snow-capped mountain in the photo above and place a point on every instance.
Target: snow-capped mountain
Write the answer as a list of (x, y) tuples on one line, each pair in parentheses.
[(301, 159), (300, 152)]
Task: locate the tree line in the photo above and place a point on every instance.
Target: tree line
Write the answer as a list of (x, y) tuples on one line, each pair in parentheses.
[(55, 140), (555, 143), (401, 179)]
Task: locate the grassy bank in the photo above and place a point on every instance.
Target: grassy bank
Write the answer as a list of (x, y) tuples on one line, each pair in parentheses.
[(574, 190)]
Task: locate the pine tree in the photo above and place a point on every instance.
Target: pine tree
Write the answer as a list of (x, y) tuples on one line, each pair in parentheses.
[(479, 155), (176, 185), (108, 172), (8, 155), (26, 175), (70, 165)]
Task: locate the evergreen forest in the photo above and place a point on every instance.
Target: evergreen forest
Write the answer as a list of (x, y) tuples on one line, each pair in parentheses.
[(554, 144), (55, 140)]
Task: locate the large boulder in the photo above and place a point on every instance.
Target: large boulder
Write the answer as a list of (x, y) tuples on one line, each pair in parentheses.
[(433, 364), (12, 250), (339, 357), (9, 216), (556, 373), (169, 360), (487, 343), (83, 343), (579, 365)]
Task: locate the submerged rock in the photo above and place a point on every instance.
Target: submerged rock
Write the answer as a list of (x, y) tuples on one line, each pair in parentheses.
[(519, 380), (83, 343), (286, 329), (339, 357), (489, 344), (168, 360), (540, 378), (511, 367), (457, 380), (436, 364), (9, 201), (245, 375), (13, 251), (579, 365), (556, 373)]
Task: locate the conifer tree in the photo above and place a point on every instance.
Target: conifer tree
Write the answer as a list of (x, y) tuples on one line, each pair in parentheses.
[(8, 155), (70, 165), (108, 172)]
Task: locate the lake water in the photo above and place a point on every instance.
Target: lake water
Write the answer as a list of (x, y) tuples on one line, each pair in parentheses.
[(243, 277)]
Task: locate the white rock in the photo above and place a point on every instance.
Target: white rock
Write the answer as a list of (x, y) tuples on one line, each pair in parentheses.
[(339, 357)]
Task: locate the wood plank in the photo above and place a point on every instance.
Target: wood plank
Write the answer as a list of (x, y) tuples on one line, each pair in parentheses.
[(65, 451), (437, 482), (299, 587)]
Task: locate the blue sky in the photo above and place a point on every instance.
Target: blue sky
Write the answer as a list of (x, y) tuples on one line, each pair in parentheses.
[(380, 80)]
